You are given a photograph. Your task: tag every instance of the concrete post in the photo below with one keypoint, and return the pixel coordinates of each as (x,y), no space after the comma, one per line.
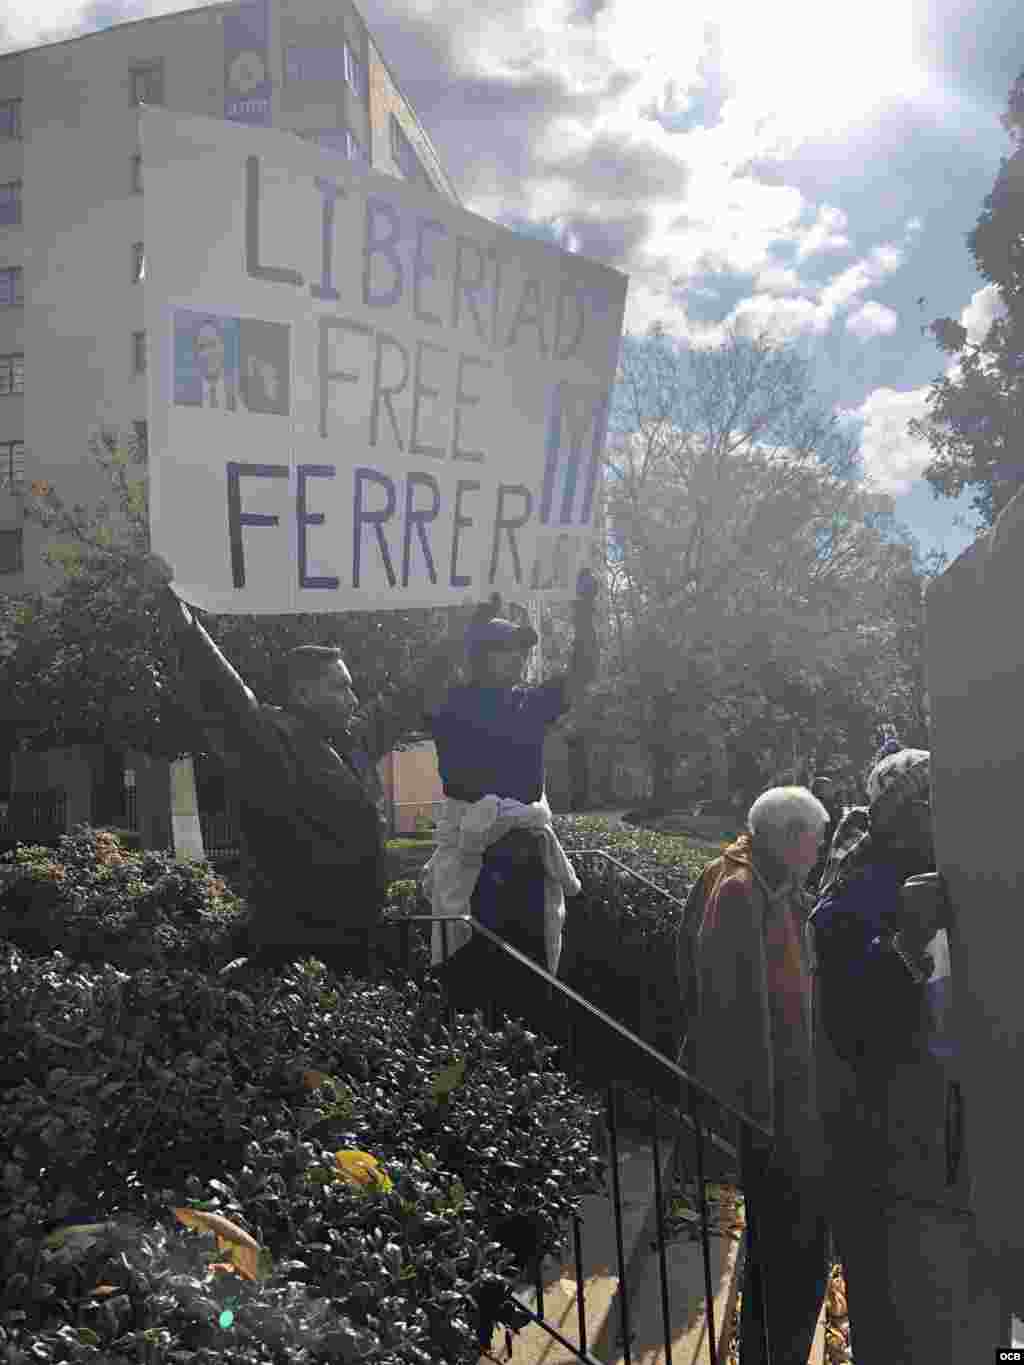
(186,830)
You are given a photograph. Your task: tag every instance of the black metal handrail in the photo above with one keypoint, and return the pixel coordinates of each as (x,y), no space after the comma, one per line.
(715,1139)
(673,1068)
(624,867)
(697,1093)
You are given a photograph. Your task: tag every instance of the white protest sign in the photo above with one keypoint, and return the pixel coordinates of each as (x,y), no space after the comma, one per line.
(361,396)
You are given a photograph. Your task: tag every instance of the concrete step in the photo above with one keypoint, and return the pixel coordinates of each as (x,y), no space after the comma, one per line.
(687,1318)
(532,1345)
(688,1327)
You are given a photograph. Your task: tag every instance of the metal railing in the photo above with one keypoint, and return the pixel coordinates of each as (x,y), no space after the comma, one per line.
(688,1116)
(34,817)
(726,1148)
(221,837)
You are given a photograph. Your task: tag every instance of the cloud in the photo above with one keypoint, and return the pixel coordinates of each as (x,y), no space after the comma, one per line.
(872,320)
(706,97)
(983,67)
(52,21)
(843,289)
(777,279)
(693,147)
(825,234)
(612,240)
(610,168)
(977,316)
(783,318)
(892,460)
(985,306)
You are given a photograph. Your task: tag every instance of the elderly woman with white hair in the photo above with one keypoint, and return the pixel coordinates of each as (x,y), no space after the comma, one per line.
(751,1044)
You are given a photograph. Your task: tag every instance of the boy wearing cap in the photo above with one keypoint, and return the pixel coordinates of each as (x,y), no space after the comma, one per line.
(497,855)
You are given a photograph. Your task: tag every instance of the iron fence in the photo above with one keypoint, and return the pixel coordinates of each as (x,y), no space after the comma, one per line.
(221,837)
(696,1126)
(34,817)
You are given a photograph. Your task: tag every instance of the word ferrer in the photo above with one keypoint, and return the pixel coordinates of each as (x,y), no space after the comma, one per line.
(393,521)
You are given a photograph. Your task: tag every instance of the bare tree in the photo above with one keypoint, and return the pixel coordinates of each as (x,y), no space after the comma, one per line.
(736,535)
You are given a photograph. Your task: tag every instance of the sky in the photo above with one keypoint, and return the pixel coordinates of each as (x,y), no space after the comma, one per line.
(809,168)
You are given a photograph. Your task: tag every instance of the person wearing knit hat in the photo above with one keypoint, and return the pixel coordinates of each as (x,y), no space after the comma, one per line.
(893,1177)
(497,856)
(898,812)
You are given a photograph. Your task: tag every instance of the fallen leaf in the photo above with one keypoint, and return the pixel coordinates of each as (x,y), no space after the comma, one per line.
(361,1168)
(448,1079)
(242,1248)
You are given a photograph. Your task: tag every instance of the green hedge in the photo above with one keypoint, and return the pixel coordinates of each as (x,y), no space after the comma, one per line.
(620,939)
(125,1095)
(101,902)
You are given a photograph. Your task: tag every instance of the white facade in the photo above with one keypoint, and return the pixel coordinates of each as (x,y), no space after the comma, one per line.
(81,213)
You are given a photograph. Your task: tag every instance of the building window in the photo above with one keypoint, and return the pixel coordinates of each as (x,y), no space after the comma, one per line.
(138,352)
(315,65)
(12,374)
(141,453)
(137,173)
(12,558)
(10,203)
(10,118)
(138,262)
(404,156)
(342,141)
(11,294)
(12,466)
(148,83)
(355,76)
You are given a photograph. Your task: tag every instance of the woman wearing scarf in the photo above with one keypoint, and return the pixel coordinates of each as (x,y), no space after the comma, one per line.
(887,1088)
(751,1045)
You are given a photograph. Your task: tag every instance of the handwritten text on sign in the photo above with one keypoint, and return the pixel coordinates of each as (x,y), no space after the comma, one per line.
(361,396)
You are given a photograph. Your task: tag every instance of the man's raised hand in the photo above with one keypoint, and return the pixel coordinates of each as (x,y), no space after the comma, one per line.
(158,575)
(156,571)
(486,611)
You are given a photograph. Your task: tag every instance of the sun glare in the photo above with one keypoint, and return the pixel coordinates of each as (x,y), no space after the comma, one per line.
(816,68)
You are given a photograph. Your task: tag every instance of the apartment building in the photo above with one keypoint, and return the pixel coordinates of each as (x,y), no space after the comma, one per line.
(72,255)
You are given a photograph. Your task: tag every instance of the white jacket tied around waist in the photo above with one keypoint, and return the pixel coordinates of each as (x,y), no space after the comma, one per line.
(465,830)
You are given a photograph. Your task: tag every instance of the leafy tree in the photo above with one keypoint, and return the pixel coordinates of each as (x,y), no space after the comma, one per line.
(739,546)
(88,662)
(975,422)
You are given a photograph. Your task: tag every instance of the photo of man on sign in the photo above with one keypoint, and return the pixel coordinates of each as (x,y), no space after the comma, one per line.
(263,366)
(205,360)
(226,363)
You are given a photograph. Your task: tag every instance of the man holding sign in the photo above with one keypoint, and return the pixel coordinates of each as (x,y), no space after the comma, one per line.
(308,796)
(364,398)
